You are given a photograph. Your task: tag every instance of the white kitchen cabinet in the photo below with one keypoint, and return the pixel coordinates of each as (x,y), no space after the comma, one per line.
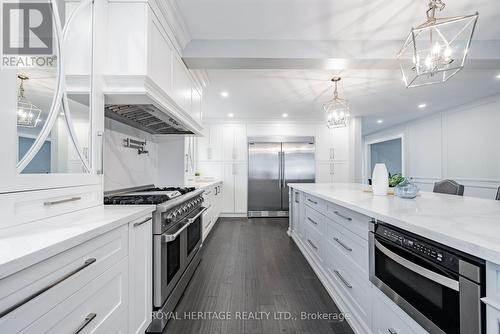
(148,69)
(87,262)
(331,172)
(181,84)
(493,320)
(55,144)
(213,202)
(209,146)
(140,269)
(234,142)
(389,319)
(332,144)
(235,185)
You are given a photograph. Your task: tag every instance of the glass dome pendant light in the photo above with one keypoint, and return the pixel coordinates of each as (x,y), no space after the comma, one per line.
(337,110)
(437,49)
(28,114)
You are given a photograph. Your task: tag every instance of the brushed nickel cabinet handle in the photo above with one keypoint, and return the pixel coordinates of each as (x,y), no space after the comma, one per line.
(312,244)
(66,200)
(310,200)
(339,275)
(86,321)
(343,244)
(342,216)
(312,221)
(87,263)
(143,222)
(392,331)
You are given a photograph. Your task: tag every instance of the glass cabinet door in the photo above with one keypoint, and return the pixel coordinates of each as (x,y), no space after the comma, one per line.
(54,117)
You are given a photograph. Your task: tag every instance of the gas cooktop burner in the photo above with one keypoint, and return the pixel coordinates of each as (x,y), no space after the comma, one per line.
(179,189)
(136,199)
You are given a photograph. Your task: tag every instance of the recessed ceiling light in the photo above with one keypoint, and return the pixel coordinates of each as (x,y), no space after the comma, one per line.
(231,115)
(498,76)
(380,121)
(285,115)
(224,94)
(422,105)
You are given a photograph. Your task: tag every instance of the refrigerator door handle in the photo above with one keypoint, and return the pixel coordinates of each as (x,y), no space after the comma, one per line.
(283,179)
(279,169)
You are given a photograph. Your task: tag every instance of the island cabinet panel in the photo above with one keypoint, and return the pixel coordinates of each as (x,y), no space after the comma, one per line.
(334,240)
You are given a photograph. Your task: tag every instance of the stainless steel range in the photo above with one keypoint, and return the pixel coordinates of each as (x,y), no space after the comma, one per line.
(177,230)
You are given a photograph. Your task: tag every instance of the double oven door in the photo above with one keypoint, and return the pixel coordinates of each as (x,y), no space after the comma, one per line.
(173,251)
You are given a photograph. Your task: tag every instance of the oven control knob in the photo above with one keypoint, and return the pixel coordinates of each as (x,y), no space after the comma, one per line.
(178,212)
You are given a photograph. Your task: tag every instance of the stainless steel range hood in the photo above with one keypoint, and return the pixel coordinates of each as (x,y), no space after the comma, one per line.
(138,101)
(146,117)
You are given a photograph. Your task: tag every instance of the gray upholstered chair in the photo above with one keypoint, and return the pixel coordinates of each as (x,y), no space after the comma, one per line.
(498,194)
(449,187)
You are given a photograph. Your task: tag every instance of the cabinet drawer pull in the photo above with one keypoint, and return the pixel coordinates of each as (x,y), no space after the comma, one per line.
(87,321)
(72,199)
(342,216)
(87,263)
(208,193)
(392,331)
(343,244)
(297,198)
(312,244)
(310,200)
(143,222)
(312,221)
(339,275)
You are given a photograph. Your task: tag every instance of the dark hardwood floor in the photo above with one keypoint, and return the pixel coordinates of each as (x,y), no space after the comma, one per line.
(251,265)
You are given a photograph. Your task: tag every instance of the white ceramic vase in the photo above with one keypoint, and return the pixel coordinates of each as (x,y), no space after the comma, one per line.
(380,180)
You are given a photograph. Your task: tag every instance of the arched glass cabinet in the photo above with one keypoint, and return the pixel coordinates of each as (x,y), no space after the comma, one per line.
(48,121)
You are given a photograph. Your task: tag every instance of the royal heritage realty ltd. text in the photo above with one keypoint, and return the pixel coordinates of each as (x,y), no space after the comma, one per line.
(228,315)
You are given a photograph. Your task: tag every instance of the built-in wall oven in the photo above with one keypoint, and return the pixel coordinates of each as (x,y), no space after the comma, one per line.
(437,286)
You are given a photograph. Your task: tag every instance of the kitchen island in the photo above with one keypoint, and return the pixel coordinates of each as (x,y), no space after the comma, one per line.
(330,223)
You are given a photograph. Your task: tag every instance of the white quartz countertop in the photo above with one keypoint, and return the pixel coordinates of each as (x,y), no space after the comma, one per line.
(206,184)
(469,224)
(24,245)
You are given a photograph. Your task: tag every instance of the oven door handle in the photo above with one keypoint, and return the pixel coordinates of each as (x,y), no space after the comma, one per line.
(429,274)
(166,238)
(193,219)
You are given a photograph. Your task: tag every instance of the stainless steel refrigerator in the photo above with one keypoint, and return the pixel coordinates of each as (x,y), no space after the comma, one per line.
(273,163)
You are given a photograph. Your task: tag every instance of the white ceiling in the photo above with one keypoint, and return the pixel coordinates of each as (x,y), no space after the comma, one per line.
(323,19)
(373,93)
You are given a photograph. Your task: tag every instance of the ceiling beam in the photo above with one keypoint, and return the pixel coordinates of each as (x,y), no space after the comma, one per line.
(330,55)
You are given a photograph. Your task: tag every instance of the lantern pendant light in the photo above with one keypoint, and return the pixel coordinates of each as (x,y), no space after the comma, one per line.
(337,110)
(437,49)
(28,114)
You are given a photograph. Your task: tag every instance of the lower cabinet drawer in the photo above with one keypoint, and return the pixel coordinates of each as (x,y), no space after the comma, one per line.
(314,243)
(388,318)
(355,289)
(351,245)
(98,307)
(353,221)
(27,295)
(316,203)
(23,207)
(314,220)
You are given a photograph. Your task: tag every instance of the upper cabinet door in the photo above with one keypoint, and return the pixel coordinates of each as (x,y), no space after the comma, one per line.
(341,144)
(324,143)
(47,121)
(234,138)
